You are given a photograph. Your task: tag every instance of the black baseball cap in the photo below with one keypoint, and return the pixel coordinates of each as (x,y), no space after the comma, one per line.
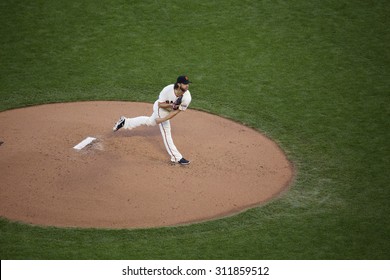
(183,80)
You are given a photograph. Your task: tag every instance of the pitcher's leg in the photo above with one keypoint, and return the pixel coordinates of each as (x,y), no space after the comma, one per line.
(131,123)
(165,129)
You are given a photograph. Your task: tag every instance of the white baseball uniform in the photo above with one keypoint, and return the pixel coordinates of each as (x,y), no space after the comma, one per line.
(167,95)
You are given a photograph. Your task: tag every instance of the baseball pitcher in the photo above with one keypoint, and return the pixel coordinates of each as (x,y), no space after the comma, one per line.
(172,100)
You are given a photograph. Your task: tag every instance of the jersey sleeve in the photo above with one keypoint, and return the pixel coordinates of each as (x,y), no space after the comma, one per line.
(185,101)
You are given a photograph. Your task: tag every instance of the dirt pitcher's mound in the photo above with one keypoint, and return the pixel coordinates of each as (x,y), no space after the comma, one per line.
(124,179)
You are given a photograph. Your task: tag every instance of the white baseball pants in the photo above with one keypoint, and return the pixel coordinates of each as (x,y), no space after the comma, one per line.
(165,129)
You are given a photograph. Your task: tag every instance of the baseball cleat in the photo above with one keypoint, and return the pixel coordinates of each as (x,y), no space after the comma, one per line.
(183,161)
(119,124)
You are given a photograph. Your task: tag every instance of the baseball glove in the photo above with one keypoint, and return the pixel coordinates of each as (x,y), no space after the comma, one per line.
(177,103)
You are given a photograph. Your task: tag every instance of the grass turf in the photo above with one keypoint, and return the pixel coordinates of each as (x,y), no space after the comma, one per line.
(313,75)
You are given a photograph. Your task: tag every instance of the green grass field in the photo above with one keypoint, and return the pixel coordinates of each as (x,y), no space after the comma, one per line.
(312,75)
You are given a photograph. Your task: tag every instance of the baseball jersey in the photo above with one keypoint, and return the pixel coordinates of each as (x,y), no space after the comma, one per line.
(168,95)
